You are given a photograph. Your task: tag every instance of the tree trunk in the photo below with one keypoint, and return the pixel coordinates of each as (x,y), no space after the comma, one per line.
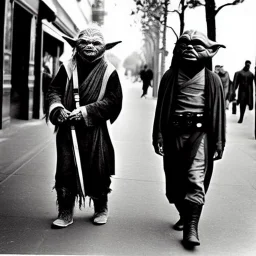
(211,24)
(182,17)
(156,62)
(164,38)
(182,23)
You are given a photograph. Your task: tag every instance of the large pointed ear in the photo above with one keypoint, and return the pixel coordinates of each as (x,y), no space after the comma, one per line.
(111,45)
(70,40)
(214,49)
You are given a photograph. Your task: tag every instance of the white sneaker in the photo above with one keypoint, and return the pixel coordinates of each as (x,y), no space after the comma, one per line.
(100,218)
(64,219)
(62,223)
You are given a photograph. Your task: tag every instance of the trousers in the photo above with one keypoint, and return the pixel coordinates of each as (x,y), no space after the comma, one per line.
(195,191)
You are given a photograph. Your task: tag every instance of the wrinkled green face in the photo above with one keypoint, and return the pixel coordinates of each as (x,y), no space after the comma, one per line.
(193,46)
(90,44)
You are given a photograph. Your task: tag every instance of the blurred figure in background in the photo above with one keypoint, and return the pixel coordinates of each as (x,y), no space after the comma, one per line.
(243,81)
(146,76)
(217,69)
(227,84)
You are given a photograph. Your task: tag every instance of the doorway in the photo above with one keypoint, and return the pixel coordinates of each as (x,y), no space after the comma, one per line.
(20,63)
(52,49)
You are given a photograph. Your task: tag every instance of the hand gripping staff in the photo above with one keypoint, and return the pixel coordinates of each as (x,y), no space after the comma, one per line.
(73,133)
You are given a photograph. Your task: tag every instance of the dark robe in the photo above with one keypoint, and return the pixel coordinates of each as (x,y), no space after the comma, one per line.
(243,80)
(95,146)
(178,158)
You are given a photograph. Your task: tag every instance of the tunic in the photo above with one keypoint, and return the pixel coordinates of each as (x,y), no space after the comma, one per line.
(190,94)
(190,98)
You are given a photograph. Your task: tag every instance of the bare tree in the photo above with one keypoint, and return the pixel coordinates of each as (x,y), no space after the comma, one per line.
(156,11)
(182,7)
(211,10)
(152,21)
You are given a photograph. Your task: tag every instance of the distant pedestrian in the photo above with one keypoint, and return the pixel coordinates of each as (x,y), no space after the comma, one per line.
(227,84)
(146,76)
(85,93)
(243,81)
(189,128)
(217,69)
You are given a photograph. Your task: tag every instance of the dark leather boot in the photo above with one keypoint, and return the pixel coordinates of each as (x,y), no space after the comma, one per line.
(192,212)
(100,216)
(180,223)
(66,202)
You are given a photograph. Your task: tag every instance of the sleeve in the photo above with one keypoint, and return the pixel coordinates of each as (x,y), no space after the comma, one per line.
(157,133)
(109,107)
(230,96)
(219,117)
(236,81)
(56,90)
(142,75)
(226,86)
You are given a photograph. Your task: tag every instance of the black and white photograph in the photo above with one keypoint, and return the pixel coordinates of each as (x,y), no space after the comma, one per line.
(128,127)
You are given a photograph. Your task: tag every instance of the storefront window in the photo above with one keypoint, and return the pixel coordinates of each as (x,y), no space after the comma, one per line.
(8,40)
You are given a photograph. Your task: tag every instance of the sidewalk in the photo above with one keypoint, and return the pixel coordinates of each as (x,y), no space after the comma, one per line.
(20,142)
(141,219)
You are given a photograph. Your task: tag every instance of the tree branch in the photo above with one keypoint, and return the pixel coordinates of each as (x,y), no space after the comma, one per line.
(173,32)
(228,4)
(194,4)
(184,8)
(175,11)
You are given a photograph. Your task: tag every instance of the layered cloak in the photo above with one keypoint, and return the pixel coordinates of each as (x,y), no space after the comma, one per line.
(95,147)
(178,158)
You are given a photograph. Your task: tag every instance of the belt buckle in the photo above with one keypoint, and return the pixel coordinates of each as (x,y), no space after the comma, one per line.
(175,123)
(189,119)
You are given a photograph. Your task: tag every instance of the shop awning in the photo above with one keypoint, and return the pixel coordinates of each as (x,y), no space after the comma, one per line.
(48,10)
(50,4)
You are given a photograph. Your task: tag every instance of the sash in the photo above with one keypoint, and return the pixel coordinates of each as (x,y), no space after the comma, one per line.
(71,69)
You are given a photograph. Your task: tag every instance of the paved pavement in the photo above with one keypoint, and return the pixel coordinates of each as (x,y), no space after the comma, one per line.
(140,216)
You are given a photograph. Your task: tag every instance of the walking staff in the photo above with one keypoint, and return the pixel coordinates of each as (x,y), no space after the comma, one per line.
(73,133)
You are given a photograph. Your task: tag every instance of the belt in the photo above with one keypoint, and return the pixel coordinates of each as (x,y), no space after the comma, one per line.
(188,121)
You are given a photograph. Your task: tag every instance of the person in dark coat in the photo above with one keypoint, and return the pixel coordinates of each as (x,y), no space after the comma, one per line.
(189,128)
(100,96)
(243,81)
(146,75)
(227,85)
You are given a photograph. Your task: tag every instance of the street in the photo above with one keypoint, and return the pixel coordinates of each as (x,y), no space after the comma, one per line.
(141,218)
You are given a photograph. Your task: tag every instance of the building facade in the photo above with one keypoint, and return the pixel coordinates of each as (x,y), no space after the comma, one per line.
(31,51)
